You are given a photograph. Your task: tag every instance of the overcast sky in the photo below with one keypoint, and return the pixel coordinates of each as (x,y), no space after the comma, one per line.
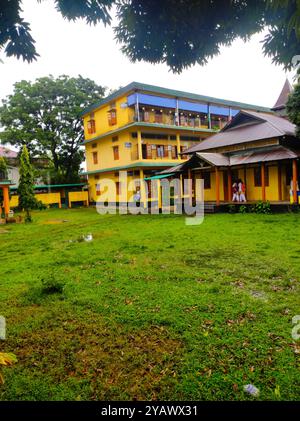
(239,73)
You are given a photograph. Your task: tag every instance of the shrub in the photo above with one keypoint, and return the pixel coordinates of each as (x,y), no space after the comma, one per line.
(231,208)
(52,283)
(6,359)
(261,207)
(243,209)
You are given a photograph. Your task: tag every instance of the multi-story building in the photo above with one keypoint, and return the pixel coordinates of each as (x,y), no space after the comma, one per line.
(143,129)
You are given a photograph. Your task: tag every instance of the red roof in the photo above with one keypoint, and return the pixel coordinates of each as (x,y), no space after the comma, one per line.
(7,153)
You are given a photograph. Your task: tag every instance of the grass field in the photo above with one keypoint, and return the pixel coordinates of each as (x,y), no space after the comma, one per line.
(151,308)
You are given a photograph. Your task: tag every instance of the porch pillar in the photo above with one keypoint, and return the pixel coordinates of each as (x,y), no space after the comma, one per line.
(6,200)
(263,182)
(178,145)
(217,186)
(143,200)
(279,181)
(139,140)
(190,184)
(229,184)
(295,177)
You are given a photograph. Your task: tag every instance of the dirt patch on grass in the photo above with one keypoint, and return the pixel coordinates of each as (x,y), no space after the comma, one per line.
(54,221)
(117,363)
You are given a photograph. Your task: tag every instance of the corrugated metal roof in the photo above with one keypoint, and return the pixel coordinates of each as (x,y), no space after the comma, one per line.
(171,92)
(264,126)
(276,154)
(216,159)
(222,160)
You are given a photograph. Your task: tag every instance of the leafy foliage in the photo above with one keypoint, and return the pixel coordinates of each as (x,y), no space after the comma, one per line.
(6,359)
(52,283)
(293,108)
(45,116)
(3,168)
(178,33)
(27,200)
(261,207)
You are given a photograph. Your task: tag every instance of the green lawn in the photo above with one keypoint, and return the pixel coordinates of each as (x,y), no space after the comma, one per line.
(151,308)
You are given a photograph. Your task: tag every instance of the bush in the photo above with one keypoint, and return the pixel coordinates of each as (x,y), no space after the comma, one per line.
(243,209)
(261,207)
(231,208)
(52,283)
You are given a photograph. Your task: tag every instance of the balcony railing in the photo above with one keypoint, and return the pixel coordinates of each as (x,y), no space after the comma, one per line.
(184,119)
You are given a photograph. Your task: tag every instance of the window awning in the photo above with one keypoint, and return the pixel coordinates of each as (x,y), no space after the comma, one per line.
(157,177)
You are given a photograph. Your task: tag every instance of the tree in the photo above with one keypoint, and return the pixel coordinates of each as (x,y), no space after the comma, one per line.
(27,200)
(3,168)
(293,108)
(176,32)
(45,116)
(3,176)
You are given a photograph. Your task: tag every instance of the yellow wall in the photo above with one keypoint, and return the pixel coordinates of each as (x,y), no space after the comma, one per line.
(45,198)
(104,148)
(124,116)
(78,196)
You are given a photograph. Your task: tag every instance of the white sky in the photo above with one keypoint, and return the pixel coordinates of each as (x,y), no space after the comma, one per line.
(239,73)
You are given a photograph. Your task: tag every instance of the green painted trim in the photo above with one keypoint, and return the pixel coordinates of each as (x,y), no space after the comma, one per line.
(46,186)
(151,125)
(179,94)
(134,165)
(6,183)
(158,177)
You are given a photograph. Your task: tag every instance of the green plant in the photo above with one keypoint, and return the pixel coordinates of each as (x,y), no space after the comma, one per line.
(261,207)
(27,200)
(52,283)
(6,359)
(231,209)
(243,209)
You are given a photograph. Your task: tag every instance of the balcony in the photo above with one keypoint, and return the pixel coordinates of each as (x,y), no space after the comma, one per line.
(156,152)
(169,117)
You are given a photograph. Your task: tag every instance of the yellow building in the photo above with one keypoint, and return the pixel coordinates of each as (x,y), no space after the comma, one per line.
(258,148)
(143,129)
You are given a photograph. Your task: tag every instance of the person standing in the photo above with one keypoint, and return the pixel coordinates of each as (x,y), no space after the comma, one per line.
(235,192)
(242,191)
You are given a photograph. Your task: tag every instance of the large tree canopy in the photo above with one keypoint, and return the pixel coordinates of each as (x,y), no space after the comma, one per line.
(176,32)
(45,116)
(293,108)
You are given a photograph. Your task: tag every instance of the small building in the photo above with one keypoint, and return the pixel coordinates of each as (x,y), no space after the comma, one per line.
(259,148)
(11,159)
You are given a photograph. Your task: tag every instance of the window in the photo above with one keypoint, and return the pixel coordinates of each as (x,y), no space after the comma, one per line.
(118,187)
(112,117)
(206,178)
(98,190)
(257,176)
(182,149)
(174,152)
(116,152)
(95,157)
(97,177)
(91,126)
(94,145)
(115,138)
